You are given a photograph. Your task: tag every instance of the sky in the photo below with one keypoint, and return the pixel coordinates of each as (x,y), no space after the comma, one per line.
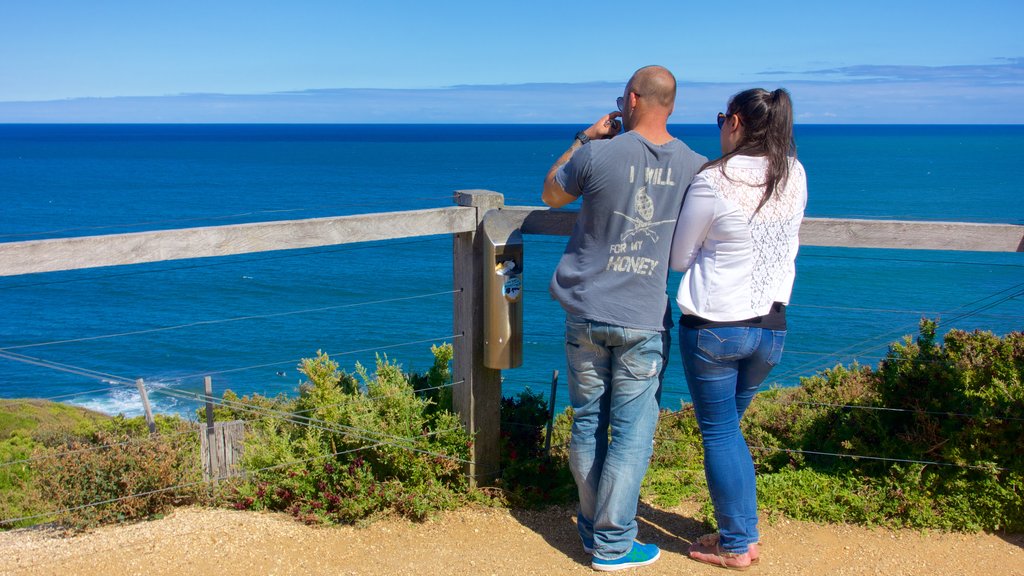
(471,61)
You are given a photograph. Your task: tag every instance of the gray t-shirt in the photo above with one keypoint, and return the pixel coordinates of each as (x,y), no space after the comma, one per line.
(615,267)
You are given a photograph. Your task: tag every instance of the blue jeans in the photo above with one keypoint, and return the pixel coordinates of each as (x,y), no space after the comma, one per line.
(615,376)
(724,367)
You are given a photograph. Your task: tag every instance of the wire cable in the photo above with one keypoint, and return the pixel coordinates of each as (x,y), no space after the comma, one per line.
(269,364)
(886,337)
(861,456)
(227,320)
(79,371)
(881,459)
(64,396)
(315,423)
(397,392)
(887,409)
(876,310)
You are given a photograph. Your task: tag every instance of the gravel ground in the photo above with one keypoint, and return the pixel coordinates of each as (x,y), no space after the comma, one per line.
(476,541)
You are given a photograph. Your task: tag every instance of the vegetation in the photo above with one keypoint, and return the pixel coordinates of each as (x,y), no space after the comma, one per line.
(25,427)
(530,475)
(931,439)
(961,406)
(928,439)
(350,447)
(157,471)
(44,420)
(56,459)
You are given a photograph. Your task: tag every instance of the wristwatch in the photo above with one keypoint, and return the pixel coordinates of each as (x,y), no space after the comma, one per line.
(582,137)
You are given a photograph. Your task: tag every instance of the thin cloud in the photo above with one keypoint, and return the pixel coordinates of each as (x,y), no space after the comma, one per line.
(1008,70)
(901,97)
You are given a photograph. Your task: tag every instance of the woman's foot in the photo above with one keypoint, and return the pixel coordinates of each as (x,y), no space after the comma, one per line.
(712,540)
(707,550)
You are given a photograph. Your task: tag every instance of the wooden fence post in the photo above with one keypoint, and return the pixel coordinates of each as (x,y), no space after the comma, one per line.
(221,451)
(220,445)
(145,405)
(476,395)
(210,464)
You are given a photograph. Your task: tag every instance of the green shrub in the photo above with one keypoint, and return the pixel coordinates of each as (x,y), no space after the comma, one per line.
(434,386)
(530,476)
(26,427)
(676,472)
(349,447)
(957,406)
(807,494)
(966,398)
(19,495)
(118,476)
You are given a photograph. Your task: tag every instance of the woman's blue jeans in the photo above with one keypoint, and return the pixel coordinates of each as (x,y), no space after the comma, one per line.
(615,376)
(724,367)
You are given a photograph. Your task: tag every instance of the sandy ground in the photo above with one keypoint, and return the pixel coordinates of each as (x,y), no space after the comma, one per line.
(478,541)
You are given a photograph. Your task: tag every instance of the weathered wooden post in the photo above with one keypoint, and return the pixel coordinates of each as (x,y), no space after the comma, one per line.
(145,405)
(210,464)
(476,395)
(220,444)
(221,450)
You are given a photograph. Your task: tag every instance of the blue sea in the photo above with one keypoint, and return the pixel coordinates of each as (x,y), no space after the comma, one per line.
(249,319)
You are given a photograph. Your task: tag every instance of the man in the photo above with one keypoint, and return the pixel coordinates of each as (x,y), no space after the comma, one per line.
(611,281)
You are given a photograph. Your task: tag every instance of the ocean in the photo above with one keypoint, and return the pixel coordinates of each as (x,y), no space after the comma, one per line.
(249,319)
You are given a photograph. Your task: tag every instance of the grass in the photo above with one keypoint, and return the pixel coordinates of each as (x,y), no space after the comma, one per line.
(43,418)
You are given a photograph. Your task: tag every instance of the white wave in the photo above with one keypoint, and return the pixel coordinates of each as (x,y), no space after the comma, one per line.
(127,401)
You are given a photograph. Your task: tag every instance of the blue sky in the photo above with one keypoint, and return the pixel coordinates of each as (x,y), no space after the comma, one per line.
(396,61)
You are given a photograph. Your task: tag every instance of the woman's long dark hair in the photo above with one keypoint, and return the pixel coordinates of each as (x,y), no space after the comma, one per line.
(767,119)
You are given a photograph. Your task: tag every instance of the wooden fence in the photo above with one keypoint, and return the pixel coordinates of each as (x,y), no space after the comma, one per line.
(220,448)
(477,389)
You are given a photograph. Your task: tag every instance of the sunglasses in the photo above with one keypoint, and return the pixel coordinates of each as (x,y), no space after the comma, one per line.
(619,102)
(723,117)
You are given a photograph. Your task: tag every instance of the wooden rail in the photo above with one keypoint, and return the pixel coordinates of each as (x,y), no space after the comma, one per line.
(140,247)
(477,389)
(836,232)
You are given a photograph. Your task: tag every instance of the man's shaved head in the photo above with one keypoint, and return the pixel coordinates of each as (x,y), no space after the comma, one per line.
(655,83)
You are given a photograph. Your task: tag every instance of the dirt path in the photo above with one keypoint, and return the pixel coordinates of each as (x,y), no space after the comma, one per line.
(478,541)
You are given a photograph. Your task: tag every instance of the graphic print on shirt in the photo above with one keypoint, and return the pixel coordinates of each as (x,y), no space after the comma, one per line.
(643,225)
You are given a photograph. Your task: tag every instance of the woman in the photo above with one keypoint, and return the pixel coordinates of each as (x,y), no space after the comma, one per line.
(736,239)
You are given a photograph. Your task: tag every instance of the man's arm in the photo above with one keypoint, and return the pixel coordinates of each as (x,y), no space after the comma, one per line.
(554,195)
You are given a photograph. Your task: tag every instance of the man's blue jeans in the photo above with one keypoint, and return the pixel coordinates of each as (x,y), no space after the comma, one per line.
(724,367)
(614,382)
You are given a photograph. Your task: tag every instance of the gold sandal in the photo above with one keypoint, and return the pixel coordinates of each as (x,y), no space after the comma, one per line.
(706,549)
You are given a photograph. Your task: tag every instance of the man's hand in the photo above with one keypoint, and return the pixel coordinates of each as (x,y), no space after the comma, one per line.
(607,127)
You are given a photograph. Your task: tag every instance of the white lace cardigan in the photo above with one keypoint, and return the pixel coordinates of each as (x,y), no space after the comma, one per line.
(737,263)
